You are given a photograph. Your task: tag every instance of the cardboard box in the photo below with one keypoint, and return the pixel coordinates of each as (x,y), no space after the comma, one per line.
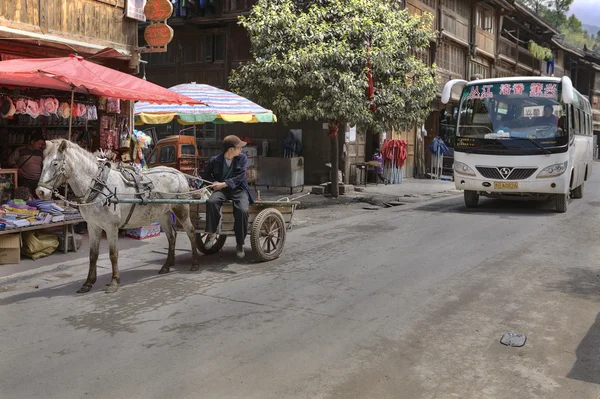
(141,233)
(10,249)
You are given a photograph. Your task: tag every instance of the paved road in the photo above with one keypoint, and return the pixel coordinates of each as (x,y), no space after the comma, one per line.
(408,302)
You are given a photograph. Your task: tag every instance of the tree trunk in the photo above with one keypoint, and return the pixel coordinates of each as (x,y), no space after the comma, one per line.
(335,159)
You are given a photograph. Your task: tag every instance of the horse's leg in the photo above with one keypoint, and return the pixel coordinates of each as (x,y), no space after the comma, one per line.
(113,235)
(167,225)
(182,213)
(95,237)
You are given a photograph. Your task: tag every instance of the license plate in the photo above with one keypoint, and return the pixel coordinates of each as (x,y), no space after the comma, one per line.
(505,185)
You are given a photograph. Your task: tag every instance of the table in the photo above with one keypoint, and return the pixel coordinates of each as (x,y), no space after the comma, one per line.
(68,231)
(364,168)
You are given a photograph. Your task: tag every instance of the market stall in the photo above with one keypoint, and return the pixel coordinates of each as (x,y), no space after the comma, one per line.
(221,107)
(61,98)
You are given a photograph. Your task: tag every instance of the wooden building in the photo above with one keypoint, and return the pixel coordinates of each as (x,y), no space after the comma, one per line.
(475,38)
(95,29)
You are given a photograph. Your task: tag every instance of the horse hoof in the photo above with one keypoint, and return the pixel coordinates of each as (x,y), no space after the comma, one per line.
(112,288)
(195,268)
(164,270)
(84,289)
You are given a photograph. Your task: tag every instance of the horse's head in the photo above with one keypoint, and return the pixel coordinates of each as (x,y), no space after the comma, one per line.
(56,170)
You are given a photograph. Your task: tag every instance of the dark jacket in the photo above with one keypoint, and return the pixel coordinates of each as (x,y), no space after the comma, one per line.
(214,173)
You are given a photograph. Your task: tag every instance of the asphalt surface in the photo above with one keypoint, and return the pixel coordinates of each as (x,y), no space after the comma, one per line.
(405,302)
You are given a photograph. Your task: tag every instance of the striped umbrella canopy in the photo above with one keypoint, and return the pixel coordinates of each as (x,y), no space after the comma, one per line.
(221,106)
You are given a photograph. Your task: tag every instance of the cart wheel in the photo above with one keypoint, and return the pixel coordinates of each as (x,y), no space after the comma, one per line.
(268,234)
(201,240)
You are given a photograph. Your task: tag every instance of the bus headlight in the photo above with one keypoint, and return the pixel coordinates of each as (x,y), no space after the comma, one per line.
(463,169)
(553,170)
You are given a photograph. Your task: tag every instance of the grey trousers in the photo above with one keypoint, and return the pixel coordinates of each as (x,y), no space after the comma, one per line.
(240,212)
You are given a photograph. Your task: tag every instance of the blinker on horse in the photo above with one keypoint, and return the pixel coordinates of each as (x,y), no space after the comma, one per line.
(94,183)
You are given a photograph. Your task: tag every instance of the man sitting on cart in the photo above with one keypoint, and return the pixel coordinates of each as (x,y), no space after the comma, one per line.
(227,171)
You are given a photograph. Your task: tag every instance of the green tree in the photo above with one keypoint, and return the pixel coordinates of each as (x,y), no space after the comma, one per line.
(314,63)
(574,24)
(539,6)
(557,12)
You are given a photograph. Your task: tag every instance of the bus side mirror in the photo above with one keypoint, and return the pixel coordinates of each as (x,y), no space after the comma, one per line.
(447,92)
(567,90)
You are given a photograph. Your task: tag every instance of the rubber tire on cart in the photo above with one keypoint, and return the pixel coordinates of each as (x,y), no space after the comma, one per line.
(577,192)
(562,202)
(267,236)
(471,199)
(201,240)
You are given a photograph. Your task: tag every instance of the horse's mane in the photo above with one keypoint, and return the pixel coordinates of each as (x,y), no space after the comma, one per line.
(53,146)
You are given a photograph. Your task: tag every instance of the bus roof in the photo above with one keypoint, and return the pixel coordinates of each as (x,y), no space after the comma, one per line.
(515,79)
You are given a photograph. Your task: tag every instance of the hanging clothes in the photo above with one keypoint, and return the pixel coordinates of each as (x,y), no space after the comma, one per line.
(394,152)
(438,147)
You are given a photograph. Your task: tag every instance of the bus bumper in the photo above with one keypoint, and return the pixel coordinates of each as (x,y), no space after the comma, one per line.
(556,185)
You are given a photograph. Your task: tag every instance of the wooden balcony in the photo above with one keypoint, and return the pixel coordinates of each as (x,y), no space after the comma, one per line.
(486,42)
(93,23)
(454,25)
(507,49)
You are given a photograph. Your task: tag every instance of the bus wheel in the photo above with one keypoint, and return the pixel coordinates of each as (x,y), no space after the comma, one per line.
(577,192)
(562,201)
(471,199)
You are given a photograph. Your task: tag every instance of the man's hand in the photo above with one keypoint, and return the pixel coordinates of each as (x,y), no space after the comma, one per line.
(218,186)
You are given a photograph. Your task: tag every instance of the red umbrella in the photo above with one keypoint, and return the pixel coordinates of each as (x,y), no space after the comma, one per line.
(73,73)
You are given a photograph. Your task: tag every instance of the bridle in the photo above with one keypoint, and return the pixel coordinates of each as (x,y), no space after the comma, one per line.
(53,183)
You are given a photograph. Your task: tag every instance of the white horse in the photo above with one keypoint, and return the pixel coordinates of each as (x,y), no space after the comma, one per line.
(94,183)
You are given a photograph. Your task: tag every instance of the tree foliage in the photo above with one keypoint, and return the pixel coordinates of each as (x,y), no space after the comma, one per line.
(571,28)
(557,12)
(311,60)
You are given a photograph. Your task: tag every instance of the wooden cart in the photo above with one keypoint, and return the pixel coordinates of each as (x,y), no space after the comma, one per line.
(268,223)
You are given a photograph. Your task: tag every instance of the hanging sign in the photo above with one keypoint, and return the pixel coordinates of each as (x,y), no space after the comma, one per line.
(158,35)
(135,10)
(158,10)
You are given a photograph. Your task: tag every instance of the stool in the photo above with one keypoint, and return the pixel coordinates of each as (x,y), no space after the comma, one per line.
(69,234)
(362,168)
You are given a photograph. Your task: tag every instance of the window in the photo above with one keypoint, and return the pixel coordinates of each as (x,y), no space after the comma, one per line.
(188,149)
(214,48)
(481,66)
(219,47)
(208,48)
(484,18)
(452,58)
(210,131)
(153,157)
(167,154)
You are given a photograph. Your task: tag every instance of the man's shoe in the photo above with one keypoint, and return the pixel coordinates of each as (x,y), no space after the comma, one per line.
(210,241)
(239,251)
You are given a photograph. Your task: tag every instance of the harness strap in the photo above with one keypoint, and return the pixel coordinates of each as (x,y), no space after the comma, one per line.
(140,193)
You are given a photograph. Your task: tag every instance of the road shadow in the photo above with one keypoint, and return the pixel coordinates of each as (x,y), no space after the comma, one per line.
(587,366)
(580,282)
(223,262)
(128,277)
(492,206)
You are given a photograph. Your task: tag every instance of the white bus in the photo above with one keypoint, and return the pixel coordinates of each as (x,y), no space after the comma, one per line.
(521,137)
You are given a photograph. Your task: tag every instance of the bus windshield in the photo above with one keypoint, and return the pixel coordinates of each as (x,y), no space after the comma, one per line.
(512,118)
